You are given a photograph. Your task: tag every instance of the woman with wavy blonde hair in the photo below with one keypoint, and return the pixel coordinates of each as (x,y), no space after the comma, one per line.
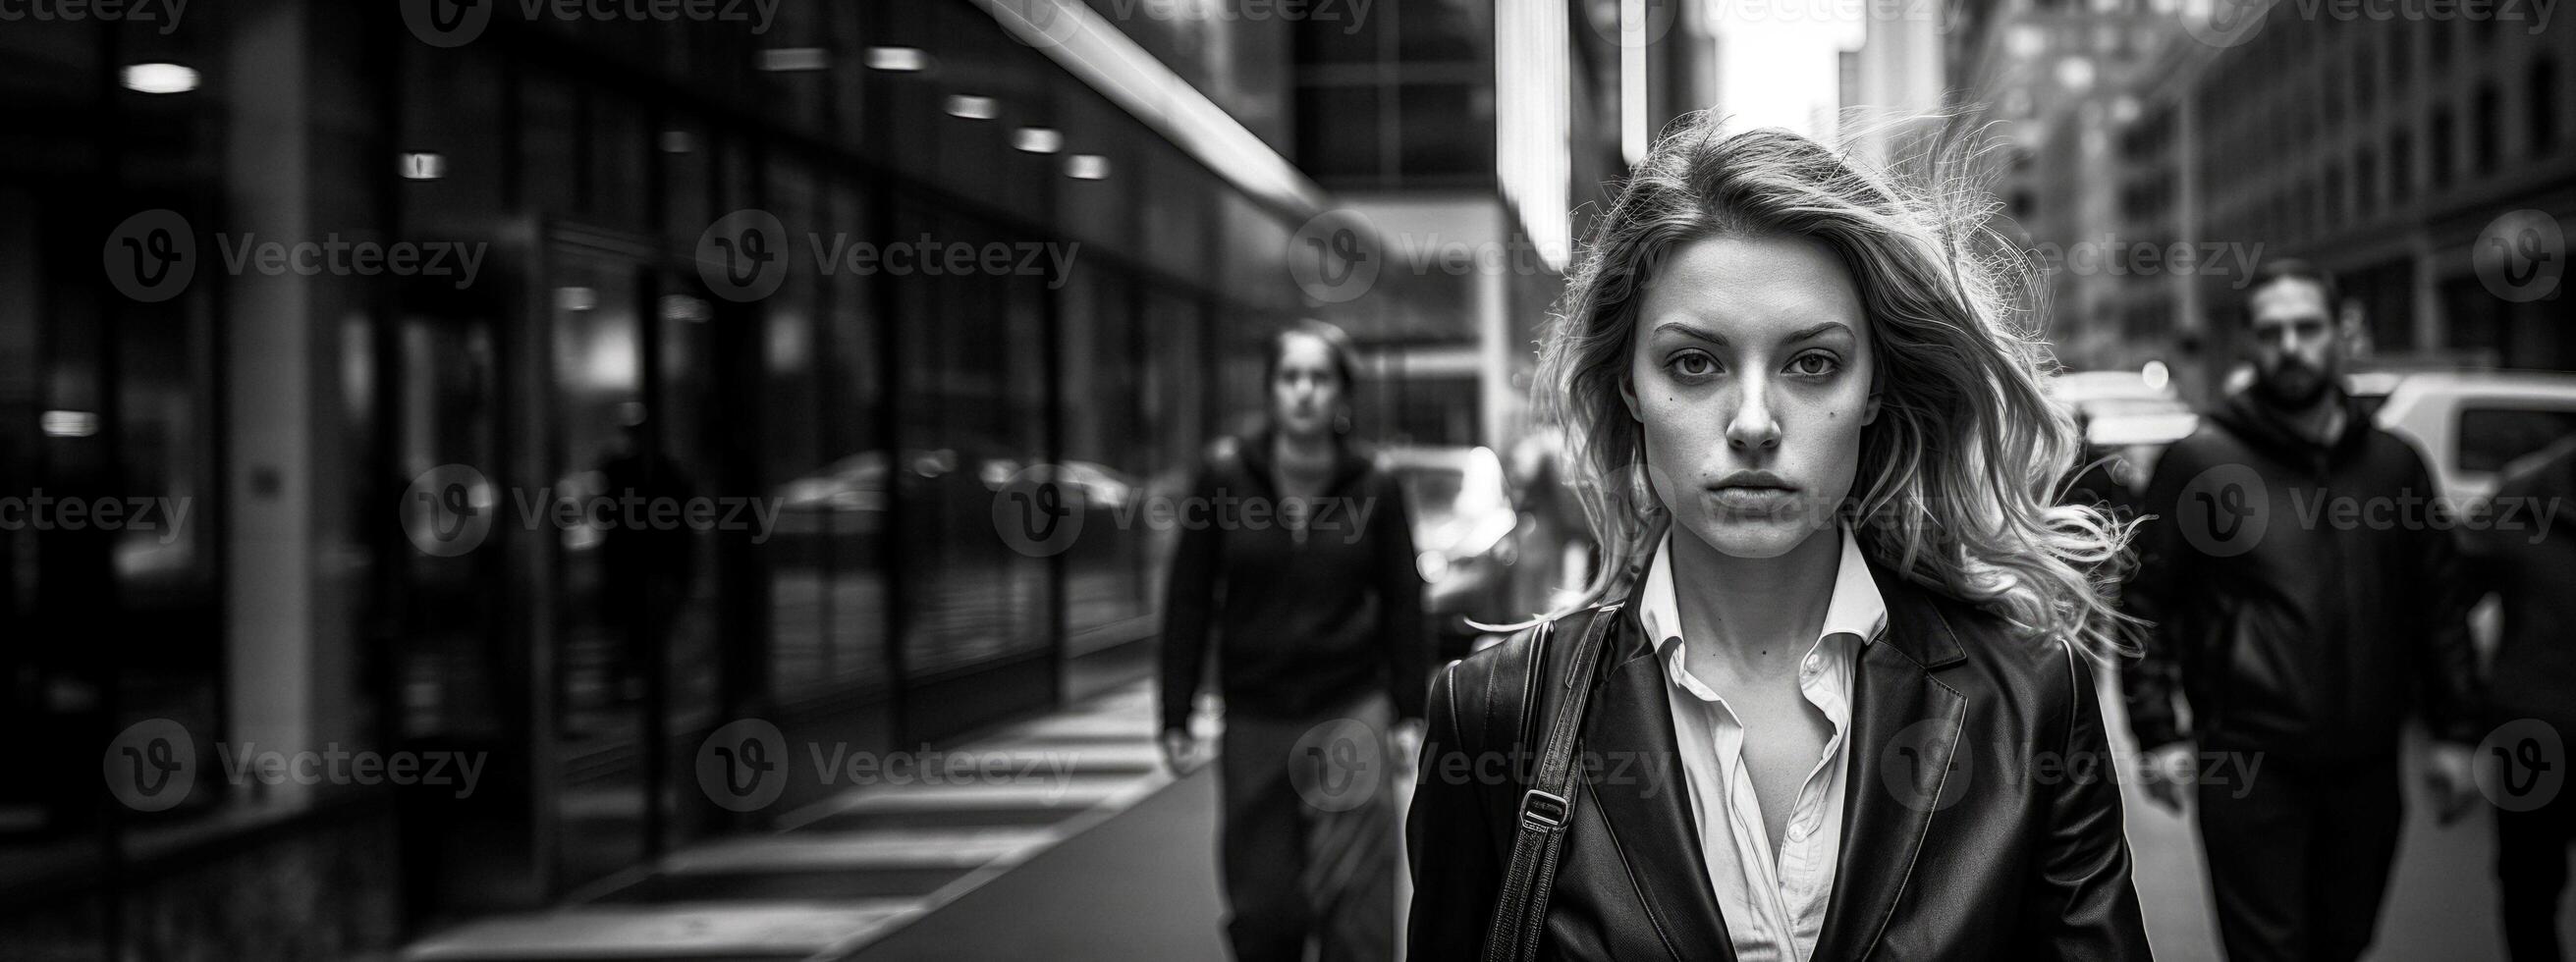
(1830,695)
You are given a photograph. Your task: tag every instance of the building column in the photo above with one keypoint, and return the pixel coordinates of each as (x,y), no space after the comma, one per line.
(293,563)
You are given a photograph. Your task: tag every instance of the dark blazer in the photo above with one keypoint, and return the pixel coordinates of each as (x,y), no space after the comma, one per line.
(1982,819)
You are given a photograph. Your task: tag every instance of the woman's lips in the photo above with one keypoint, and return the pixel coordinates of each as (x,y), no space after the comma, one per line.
(1742,499)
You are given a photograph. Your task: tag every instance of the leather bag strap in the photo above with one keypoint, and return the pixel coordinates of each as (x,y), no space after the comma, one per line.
(1520,911)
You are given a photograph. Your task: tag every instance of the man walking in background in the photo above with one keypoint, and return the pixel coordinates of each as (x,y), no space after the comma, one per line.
(2296,631)
(2533,705)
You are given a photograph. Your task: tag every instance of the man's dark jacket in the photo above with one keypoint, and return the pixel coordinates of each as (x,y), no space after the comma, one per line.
(2535,659)
(2304,594)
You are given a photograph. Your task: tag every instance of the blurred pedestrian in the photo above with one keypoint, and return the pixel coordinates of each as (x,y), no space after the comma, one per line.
(2533,572)
(2297,634)
(1295,549)
(648,570)
(1838,612)
(1557,553)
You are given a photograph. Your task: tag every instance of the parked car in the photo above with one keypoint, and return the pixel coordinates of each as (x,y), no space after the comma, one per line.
(2471,424)
(2129,419)
(1463,536)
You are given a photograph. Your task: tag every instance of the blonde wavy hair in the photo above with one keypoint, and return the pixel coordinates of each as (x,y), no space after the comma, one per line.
(1958,475)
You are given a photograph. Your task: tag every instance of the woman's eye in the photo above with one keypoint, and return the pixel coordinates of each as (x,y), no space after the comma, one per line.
(1814,364)
(1692,364)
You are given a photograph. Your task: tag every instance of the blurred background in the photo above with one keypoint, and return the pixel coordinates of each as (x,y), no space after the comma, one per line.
(326,327)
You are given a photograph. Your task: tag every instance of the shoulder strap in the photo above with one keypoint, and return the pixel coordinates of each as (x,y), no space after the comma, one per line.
(1520,911)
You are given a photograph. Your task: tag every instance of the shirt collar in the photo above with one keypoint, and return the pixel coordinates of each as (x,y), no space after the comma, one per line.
(1856,608)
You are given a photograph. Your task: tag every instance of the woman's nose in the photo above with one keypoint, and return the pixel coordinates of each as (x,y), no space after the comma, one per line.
(1753,427)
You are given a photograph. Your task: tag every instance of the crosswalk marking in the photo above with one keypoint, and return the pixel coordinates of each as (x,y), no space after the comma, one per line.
(882,848)
(1065,773)
(675,930)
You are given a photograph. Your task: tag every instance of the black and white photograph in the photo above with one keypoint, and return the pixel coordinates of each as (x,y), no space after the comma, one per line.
(1287,480)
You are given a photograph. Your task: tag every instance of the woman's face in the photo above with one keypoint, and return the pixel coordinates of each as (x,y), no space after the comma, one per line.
(1751,380)
(1306,391)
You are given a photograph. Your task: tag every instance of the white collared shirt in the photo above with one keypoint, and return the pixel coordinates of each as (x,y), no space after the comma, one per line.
(1774,902)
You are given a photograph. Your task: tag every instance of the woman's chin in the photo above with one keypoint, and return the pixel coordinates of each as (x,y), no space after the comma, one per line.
(1743,537)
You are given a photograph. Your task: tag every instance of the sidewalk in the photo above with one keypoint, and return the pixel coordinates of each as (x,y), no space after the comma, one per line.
(847,872)
(1144,885)
(2441,901)
(1112,866)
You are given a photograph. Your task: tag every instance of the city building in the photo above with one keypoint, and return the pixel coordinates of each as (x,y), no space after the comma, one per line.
(2091,173)
(1682,65)
(1897,82)
(387,308)
(2391,151)
(2396,153)
(1462,133)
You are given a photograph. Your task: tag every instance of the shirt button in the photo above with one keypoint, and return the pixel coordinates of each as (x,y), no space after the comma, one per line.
(1797,831)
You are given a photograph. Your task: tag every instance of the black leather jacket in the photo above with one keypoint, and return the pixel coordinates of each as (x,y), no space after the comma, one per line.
(1982,820)
(2303,594)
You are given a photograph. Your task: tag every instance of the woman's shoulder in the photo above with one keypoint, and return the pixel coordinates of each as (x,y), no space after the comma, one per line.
(2011,663)
(1495,685)
(1223,459)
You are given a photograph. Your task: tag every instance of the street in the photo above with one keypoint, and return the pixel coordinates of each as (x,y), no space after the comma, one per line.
(1143,884)
(1121,864)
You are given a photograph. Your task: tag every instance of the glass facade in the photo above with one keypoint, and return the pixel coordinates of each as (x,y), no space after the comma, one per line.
(1398,101)
(867,418)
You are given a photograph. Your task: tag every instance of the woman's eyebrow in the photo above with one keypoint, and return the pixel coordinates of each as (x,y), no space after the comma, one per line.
(1802,334)
(1699,332)
(1819,330)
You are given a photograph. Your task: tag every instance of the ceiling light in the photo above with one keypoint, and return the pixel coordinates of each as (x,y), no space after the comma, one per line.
(793,59)
(69,424)
(898,59)
(160,78)
(424,165)
(1038,140)
(974,108)
(1087,167)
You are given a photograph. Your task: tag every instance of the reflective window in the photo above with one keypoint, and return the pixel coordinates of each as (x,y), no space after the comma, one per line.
(971,417)
(791,458)
(854,495)
(1107,459)
(2491,438)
